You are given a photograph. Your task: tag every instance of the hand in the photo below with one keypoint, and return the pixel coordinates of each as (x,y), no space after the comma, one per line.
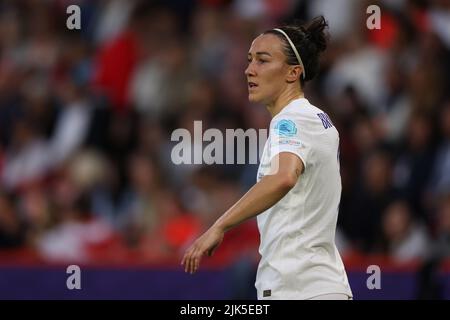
(207,243)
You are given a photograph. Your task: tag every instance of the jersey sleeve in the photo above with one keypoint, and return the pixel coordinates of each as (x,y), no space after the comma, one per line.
(287,135)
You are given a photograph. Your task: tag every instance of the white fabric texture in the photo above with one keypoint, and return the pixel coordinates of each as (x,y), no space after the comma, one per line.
(299,258)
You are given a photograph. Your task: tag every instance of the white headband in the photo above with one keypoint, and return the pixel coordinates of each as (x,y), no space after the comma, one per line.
(293,49)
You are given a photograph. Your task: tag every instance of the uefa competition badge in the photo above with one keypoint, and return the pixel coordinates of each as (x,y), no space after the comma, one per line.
(286,128)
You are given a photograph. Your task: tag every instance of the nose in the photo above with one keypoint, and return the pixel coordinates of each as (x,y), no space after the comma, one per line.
(250,71)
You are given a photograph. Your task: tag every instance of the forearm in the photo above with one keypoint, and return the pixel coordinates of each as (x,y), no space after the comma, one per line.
(263,195)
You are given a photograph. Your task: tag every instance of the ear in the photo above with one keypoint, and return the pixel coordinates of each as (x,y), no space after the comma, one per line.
(294,73)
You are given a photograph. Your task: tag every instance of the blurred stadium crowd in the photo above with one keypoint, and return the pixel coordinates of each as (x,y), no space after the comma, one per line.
(86,118)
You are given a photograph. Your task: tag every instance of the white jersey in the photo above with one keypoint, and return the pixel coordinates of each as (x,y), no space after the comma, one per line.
(299,258)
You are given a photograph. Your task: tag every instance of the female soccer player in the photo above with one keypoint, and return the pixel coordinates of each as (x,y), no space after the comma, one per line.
(298,189)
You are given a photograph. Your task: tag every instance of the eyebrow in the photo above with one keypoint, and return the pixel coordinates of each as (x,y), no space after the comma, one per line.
(261,53)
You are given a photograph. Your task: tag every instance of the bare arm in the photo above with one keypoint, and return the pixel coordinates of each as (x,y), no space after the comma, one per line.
(263,195)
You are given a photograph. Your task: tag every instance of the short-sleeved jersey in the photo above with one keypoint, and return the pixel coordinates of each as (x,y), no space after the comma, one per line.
(299,258)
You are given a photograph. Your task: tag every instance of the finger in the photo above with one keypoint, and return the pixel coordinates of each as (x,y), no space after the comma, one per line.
(192,262)
(185,256)
(196,259)
(186,260)
(186,263)
(199,258)
(196,263)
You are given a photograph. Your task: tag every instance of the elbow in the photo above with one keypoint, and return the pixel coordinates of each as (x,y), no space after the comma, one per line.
(287,181)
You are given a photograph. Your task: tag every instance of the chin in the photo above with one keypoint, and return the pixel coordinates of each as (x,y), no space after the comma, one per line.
(253,98)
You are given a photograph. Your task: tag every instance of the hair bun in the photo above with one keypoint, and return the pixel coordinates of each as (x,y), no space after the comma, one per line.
(315,32)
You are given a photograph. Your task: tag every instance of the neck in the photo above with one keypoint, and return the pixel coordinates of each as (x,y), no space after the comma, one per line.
(283,100)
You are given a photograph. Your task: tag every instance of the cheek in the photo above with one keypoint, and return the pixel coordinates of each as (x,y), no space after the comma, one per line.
(274,75)
(273,82)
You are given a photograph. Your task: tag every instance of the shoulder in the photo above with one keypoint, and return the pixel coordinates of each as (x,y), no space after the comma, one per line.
(299,112)
(304,118)
(300,109)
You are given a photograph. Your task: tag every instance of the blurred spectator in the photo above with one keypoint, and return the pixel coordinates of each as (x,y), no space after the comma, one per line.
(414,163)
(12,229)
(361,66)
(440,181)
(113,18)
(138,214)
(360,218)
(404,238)
(177,228)
(78,229)
(27,158)
(341,15)
(396,107)
(117,59)
(430,285)
(442,247)
(157,78)
(439,17)
(37,212)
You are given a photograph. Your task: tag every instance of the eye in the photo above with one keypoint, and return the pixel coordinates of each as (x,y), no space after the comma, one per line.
(258,60)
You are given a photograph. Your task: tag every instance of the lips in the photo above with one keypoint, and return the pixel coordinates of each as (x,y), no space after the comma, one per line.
(252,85)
